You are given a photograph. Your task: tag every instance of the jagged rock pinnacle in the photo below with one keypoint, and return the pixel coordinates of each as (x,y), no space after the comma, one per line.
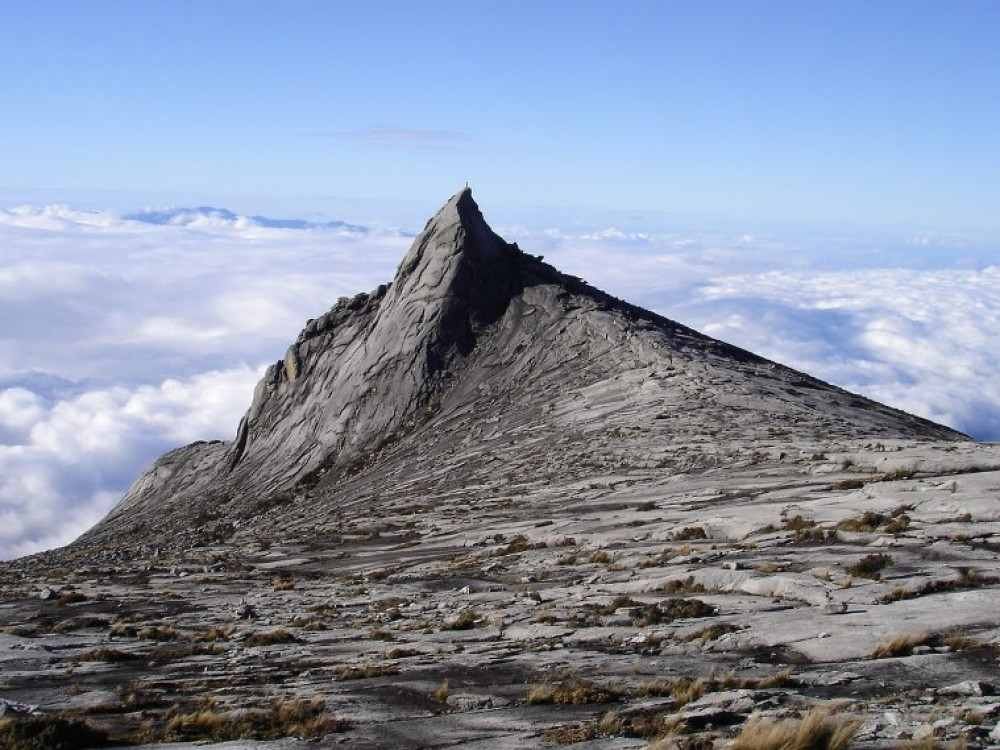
(458,274)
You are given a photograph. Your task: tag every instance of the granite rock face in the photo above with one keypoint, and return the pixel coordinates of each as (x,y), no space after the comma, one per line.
(490,506)
(471,332)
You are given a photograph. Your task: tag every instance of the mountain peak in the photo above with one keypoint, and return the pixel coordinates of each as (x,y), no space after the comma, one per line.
(476,346)
(461,268)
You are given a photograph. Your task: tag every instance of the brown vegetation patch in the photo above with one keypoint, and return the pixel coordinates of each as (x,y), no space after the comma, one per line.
(79,623)
(968,580)
(870,566)
(677,586)
(70,597)
(901,645)
(895,522)
(364,671)
(175,652)
(466,620)
(158,633)
(109,655)
(848,484)
(519,543)
(282,718)
(572,692)
(50,733)
(797,523)
(897,474)
(644,615)
(571,734)
(271,638)
(817,730)
(689,533)
(684,690)
(217,634)
(713,632)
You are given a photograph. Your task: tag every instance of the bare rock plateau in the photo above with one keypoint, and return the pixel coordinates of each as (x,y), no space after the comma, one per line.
(490,506)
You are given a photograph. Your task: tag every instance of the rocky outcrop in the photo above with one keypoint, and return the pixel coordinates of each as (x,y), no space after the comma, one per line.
(488,485)
(475,338)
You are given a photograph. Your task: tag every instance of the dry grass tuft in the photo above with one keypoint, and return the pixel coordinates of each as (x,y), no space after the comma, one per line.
(282,718)
(870,566)
(867,523)
(519,543)
(817,730)
(573,692)
(70,597)
(957,641)
(931,743)
(441,695)
(689,533)
(848,484)
(776,680)
(571,734)
(713,632)
(365,671)
(270,638)
(673,742)
(897,474)
(676,586)
(900,645)
(50,732)
(683,690)
(611,723)
(644,614)
(968,580)
(108,655)
(600,556)
(158,633)
(217,634)
(306,623)
(466,620)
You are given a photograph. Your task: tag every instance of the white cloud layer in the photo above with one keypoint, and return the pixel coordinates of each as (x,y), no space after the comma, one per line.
(126,338)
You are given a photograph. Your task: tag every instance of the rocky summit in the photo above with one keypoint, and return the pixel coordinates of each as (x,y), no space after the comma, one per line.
(488,505)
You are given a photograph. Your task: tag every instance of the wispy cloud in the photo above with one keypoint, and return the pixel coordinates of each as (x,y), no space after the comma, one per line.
(393,137)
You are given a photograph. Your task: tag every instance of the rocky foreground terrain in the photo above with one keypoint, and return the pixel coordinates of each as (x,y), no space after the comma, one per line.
(490,506)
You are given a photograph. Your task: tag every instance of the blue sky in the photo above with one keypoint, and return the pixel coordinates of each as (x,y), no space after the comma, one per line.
(833,114)
(818,182)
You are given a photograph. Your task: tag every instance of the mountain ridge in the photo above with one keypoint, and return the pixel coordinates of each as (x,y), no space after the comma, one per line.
(465,308)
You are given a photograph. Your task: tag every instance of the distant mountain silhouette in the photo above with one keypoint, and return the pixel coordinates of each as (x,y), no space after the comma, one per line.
(188,216)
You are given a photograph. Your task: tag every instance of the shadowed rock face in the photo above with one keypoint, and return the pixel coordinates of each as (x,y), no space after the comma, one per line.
(474,336)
